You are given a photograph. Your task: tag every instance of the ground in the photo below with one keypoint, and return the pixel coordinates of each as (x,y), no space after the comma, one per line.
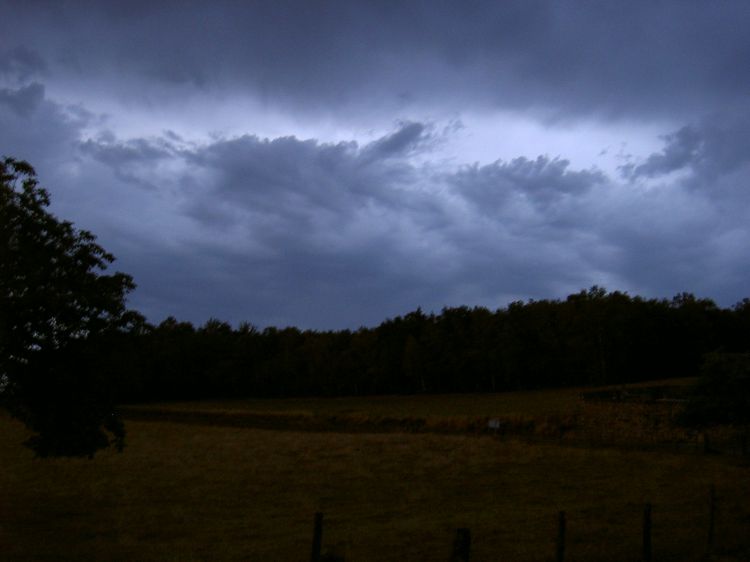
(191,491)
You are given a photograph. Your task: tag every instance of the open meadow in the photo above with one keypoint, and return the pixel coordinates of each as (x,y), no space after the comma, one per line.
(201,491)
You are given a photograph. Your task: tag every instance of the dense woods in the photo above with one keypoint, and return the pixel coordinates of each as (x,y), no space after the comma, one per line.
(70,349)
(592,337)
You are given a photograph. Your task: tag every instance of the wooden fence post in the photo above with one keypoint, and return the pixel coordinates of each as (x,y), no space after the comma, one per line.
(647,533)
(711,519)
(461,546)
(561,537)
(317,542)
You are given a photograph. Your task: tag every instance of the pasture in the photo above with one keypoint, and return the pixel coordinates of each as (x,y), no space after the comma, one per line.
(195,491)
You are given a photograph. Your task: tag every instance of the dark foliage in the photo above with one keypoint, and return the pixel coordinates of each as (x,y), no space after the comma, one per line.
(58,312)
(590,338)
(722,395)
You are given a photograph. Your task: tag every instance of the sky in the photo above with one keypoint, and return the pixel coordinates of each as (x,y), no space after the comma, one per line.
(330,164)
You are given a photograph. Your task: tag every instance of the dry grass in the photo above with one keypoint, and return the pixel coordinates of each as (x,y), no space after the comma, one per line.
(559,415)
(526,403)
(191,492)
(530,403)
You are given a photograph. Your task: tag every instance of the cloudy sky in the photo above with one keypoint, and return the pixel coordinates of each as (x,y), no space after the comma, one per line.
(332,163)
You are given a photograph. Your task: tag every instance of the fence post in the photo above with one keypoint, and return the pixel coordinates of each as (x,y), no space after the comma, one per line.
(647,533)
(561,537)
(317,542)
(711,519)
(461,546)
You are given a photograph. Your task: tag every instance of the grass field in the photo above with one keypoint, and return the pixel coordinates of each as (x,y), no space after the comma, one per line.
(199,492)
(526,403)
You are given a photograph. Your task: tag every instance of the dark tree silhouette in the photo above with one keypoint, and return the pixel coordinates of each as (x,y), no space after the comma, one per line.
(57,307)
(590,338)
(722,395)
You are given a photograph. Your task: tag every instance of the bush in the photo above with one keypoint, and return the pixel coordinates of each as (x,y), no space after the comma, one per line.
(722,395)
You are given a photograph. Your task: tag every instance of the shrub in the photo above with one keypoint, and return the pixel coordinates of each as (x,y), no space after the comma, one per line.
(722,395)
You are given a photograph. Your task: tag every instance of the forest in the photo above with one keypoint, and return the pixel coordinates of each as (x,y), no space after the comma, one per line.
(70,349)
(594,337)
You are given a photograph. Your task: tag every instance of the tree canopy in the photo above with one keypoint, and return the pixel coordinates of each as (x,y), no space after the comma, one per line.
(56,307)
(590,338)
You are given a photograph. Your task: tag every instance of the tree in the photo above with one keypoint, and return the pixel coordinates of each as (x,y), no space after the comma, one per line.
(722,395)
(58,310)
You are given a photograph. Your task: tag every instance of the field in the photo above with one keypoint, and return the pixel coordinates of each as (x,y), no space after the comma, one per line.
(196,491)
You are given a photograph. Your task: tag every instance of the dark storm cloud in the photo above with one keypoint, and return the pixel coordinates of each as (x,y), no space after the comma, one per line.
(682,149)
(542,181)
(299,179)
(38,129)
(21,63)
(290,231)
(297,231)
(129,159)
(711,155)
(23,101)
(318,233)
(628,58)
(691,227)
(107,150)
(404,141)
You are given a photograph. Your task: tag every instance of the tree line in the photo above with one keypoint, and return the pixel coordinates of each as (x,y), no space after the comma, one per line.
(70,349)
(592,337)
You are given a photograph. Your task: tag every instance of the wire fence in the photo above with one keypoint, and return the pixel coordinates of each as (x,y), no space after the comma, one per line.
(458,547)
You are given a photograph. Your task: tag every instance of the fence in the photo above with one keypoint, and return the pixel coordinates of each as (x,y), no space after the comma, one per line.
(461,545)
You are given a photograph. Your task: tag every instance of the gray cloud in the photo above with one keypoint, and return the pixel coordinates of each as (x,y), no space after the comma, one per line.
(687,227)
(23,101)
(289,231)
(128,159)
(712,158)
(280,230)
(404,141)
(304,231)
(296,230)
(683,148)
(21,64)
(542,182)
(299,179)
(320,234)
(38,129)
(639,58)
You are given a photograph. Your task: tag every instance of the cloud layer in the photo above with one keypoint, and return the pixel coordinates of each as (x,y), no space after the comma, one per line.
(639,58)
(363,208)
